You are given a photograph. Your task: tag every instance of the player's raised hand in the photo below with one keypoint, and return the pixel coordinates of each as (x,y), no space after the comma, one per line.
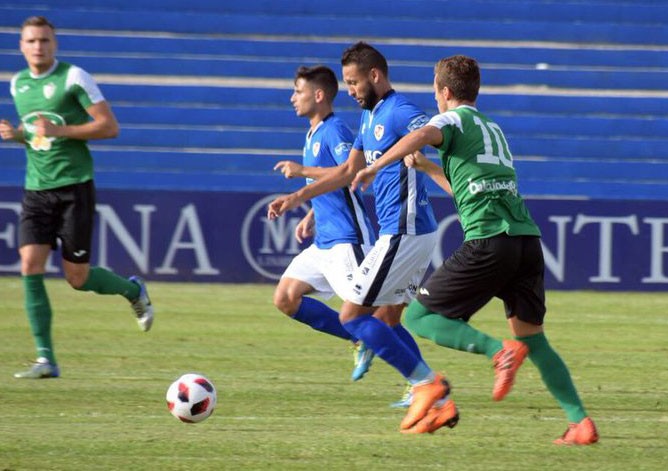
(364,178)
(289,169)
(281,205)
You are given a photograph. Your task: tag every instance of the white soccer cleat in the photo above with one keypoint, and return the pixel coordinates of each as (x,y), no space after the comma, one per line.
(142,305)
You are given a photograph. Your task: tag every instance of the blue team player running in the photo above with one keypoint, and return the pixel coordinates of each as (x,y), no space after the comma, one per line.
(396,264)
(338,222)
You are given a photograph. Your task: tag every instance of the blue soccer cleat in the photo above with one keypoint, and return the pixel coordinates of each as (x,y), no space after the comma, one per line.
(406,399)
(363,357)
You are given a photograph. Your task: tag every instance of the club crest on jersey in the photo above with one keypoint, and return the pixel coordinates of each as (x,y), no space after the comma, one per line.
(49,89)
(316,148)
(378,131)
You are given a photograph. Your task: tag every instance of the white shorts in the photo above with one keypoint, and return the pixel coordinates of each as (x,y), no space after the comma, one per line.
(328,271)
(393,269)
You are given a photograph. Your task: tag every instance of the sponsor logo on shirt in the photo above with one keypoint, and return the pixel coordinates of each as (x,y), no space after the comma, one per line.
(371,156)
(491,186)
(40,143)
(343,148)
(418,122)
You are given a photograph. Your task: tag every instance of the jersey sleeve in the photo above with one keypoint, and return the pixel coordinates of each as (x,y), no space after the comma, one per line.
(446,123)
(83,86)
(407,118)
(340,143)
(12,84)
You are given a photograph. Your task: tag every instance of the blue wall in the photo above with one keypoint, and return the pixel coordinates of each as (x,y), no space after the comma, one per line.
(226,237)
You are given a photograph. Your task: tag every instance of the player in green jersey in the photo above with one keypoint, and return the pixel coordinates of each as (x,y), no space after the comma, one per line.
(501,255)
(60,107)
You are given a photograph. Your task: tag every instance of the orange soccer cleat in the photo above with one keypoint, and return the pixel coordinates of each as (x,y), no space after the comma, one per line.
(580,433)
(425,397)
(506,363)
(445,414)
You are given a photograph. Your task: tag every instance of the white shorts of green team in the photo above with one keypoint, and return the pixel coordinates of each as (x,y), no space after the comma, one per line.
(328,271)
(397,269)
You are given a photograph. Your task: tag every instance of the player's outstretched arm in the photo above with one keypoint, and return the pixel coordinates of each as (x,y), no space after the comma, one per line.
(338,177)
(291,169)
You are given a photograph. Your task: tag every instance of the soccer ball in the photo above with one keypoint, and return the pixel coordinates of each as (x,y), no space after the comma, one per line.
(191,398)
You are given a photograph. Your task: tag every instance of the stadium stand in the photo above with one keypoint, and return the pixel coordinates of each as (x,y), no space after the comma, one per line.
(202,89)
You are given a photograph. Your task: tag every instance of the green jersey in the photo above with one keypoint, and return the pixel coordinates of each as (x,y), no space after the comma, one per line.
(60,95)
(478,164)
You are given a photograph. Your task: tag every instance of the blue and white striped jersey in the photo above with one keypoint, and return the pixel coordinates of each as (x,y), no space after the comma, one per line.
(340,216)
(402,203)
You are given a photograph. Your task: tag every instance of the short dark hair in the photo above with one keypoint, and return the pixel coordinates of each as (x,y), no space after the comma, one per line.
(366,57)
(322,77)
(461,75)
(38,21)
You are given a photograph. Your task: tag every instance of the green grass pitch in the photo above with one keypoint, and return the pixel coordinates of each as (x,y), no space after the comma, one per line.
(285,399)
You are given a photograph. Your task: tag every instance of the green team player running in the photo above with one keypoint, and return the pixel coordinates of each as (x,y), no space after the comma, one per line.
(501,255)
(60,107)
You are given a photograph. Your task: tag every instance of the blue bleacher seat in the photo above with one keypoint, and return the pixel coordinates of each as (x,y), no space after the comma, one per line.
(578,86)
(483,20)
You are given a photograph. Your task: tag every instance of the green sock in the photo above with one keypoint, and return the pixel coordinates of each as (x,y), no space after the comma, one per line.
(103,281)
(451,333)
(555,375)
(39,314)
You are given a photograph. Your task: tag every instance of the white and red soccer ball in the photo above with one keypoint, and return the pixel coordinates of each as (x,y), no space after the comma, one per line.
(191,398)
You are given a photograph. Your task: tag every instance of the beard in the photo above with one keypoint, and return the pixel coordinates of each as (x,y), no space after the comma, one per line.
(369,99)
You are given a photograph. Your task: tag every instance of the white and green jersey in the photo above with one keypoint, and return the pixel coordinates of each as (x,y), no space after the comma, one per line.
(478,164)
(60,95)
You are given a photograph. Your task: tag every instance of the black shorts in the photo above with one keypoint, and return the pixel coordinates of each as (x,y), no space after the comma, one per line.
(510,268)
(64,213)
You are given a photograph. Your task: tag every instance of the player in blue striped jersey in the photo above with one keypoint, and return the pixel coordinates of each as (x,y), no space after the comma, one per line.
(392,270)
(338,220)
(402,203)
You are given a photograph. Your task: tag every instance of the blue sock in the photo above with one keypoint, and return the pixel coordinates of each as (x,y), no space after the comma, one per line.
(408,339)
(320,316)
(422,373)
(386,344)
